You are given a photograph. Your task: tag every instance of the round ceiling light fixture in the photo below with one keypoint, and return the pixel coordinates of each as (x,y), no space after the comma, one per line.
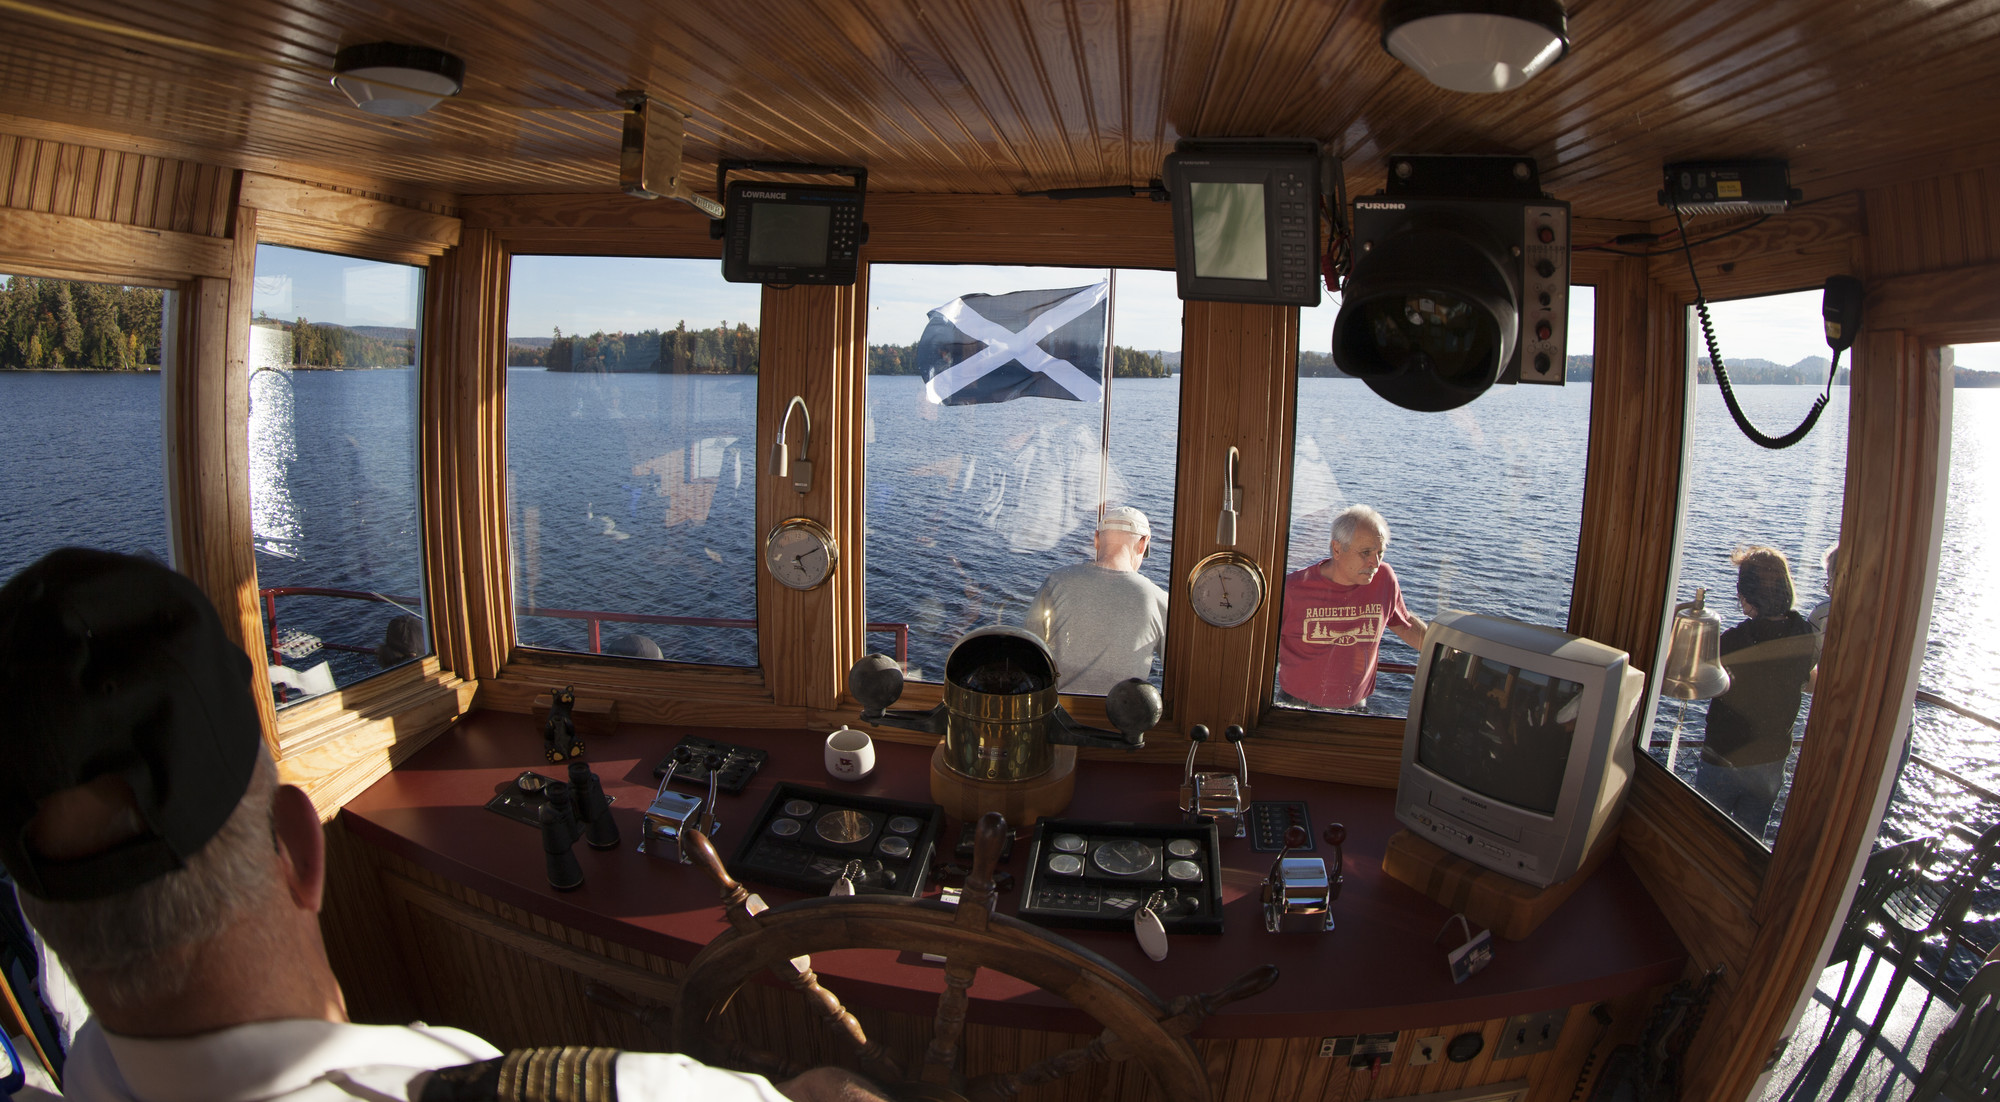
(389,78)
(1476,45)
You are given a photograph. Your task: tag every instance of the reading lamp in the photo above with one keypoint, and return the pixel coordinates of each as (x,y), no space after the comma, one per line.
(781,462)
(389,78)
(1694,664)
(1232,500)
(1476,45)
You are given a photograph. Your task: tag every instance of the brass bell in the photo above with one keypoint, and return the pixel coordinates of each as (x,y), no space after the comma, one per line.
(1694,662)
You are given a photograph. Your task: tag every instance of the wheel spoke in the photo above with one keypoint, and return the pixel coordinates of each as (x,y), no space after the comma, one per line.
(1000,1087)
(875,1060)
(941,1058)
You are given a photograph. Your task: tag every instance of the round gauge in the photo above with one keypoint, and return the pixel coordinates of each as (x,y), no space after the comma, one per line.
(1183,847)
(1067,843)
(800,553)
(1066,864)
(843,827)
(1226,588)
(904,824)
(897,848)
(1124,857)
(785,828)
(1183,870)
(801,808)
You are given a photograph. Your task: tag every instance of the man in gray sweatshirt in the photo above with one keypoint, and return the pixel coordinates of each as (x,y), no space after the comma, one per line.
(1104,621)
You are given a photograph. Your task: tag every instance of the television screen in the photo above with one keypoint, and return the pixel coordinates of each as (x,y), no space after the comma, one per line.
(1497,729)
(789,234)
(1229,231)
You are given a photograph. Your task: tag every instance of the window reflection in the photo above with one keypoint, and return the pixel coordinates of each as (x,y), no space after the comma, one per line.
(631,465)
(1482,505)
(333,473)
(80,419)
(995,452)
(1758,529)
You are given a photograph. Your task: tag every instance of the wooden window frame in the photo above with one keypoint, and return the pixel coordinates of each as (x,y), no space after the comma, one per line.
(336,744)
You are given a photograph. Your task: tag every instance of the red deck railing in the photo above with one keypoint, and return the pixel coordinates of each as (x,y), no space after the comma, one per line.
(595,619)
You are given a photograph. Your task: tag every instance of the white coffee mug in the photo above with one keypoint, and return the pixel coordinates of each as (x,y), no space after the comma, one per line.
(850,754)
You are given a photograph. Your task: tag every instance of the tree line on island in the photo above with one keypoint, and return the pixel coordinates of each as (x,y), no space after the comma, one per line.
(320,345)
(59,325)
(731,350)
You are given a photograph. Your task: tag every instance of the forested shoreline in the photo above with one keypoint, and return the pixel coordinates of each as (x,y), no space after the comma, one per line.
(58,325)
(313,345)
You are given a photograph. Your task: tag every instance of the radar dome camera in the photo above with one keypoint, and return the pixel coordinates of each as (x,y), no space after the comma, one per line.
(1461,281)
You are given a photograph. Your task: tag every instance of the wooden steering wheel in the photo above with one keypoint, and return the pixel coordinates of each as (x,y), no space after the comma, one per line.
(1137,1023)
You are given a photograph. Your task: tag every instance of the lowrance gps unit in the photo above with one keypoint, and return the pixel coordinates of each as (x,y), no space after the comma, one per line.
(790,233)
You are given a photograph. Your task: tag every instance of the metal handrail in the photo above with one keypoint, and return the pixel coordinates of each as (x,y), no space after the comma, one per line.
(596,619)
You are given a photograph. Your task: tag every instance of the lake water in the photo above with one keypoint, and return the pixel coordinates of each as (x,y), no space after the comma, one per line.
(634,494)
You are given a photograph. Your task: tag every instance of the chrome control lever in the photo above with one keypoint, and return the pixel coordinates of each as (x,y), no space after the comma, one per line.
(1298,895)
(1224,797)
(672,817)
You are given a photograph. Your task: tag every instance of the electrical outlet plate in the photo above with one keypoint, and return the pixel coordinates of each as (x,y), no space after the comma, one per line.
(1330,1047)
(1529,1034)
(1427,1050)
(1372,1049)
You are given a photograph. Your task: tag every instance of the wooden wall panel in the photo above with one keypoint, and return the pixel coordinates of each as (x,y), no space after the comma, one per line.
(1237,365)
(464,413)
(1632,476)
(1934,224)
(406,943)
(132,189)
(812,346)
(208,452)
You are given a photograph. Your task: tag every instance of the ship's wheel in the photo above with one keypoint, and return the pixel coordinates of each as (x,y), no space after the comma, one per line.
(1137,1024)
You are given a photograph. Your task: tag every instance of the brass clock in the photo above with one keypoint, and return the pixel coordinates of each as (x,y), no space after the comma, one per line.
(800,553)
(1226,588)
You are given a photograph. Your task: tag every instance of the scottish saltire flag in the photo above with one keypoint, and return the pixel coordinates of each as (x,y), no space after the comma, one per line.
(1027,344)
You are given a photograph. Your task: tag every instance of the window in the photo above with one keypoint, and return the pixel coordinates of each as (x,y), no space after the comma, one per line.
(1757,527)
(981,484)
(1484,503)
(1953,754)
(80,419)
(333,467)
(631,457)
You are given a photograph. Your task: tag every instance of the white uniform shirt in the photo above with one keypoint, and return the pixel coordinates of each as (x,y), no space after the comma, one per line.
(302,1060)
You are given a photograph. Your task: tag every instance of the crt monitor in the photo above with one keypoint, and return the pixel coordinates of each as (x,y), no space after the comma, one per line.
(1246,220)
(1518,744)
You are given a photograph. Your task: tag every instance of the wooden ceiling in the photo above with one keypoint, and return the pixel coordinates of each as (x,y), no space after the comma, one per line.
(998,96)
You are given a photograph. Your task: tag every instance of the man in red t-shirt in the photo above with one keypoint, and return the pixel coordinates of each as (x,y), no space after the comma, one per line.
(1335,611)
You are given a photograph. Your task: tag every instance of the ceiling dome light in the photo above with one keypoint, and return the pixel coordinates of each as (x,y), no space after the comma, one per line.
(388,78)
(1476,45)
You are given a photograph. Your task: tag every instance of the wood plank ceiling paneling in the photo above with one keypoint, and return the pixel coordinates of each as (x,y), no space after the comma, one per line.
(995,96)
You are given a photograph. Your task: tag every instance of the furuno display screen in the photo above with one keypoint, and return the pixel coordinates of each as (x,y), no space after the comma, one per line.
(792,233)
(1247,220)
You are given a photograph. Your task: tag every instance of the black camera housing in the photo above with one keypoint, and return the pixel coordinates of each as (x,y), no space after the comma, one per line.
(1461,281)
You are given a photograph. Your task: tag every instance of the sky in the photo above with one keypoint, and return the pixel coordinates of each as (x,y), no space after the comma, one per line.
(587,294)
(334,290)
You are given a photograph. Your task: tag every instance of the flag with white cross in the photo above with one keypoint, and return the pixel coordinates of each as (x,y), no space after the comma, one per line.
(1027,344)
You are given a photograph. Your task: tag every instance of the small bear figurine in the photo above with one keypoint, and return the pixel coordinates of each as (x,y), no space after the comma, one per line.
(559,736)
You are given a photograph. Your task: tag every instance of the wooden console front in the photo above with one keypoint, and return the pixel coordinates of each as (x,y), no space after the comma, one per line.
(441,910)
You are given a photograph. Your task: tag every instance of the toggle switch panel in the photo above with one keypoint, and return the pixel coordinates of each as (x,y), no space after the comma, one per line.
(1529,1034)
(1427,1050)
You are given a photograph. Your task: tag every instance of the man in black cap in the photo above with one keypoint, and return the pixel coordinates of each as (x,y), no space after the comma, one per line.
(180,884)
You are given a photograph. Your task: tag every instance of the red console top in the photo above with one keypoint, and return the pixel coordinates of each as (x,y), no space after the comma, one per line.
(1378,970)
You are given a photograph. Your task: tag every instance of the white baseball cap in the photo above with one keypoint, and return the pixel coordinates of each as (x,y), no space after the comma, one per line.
(1124,518)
